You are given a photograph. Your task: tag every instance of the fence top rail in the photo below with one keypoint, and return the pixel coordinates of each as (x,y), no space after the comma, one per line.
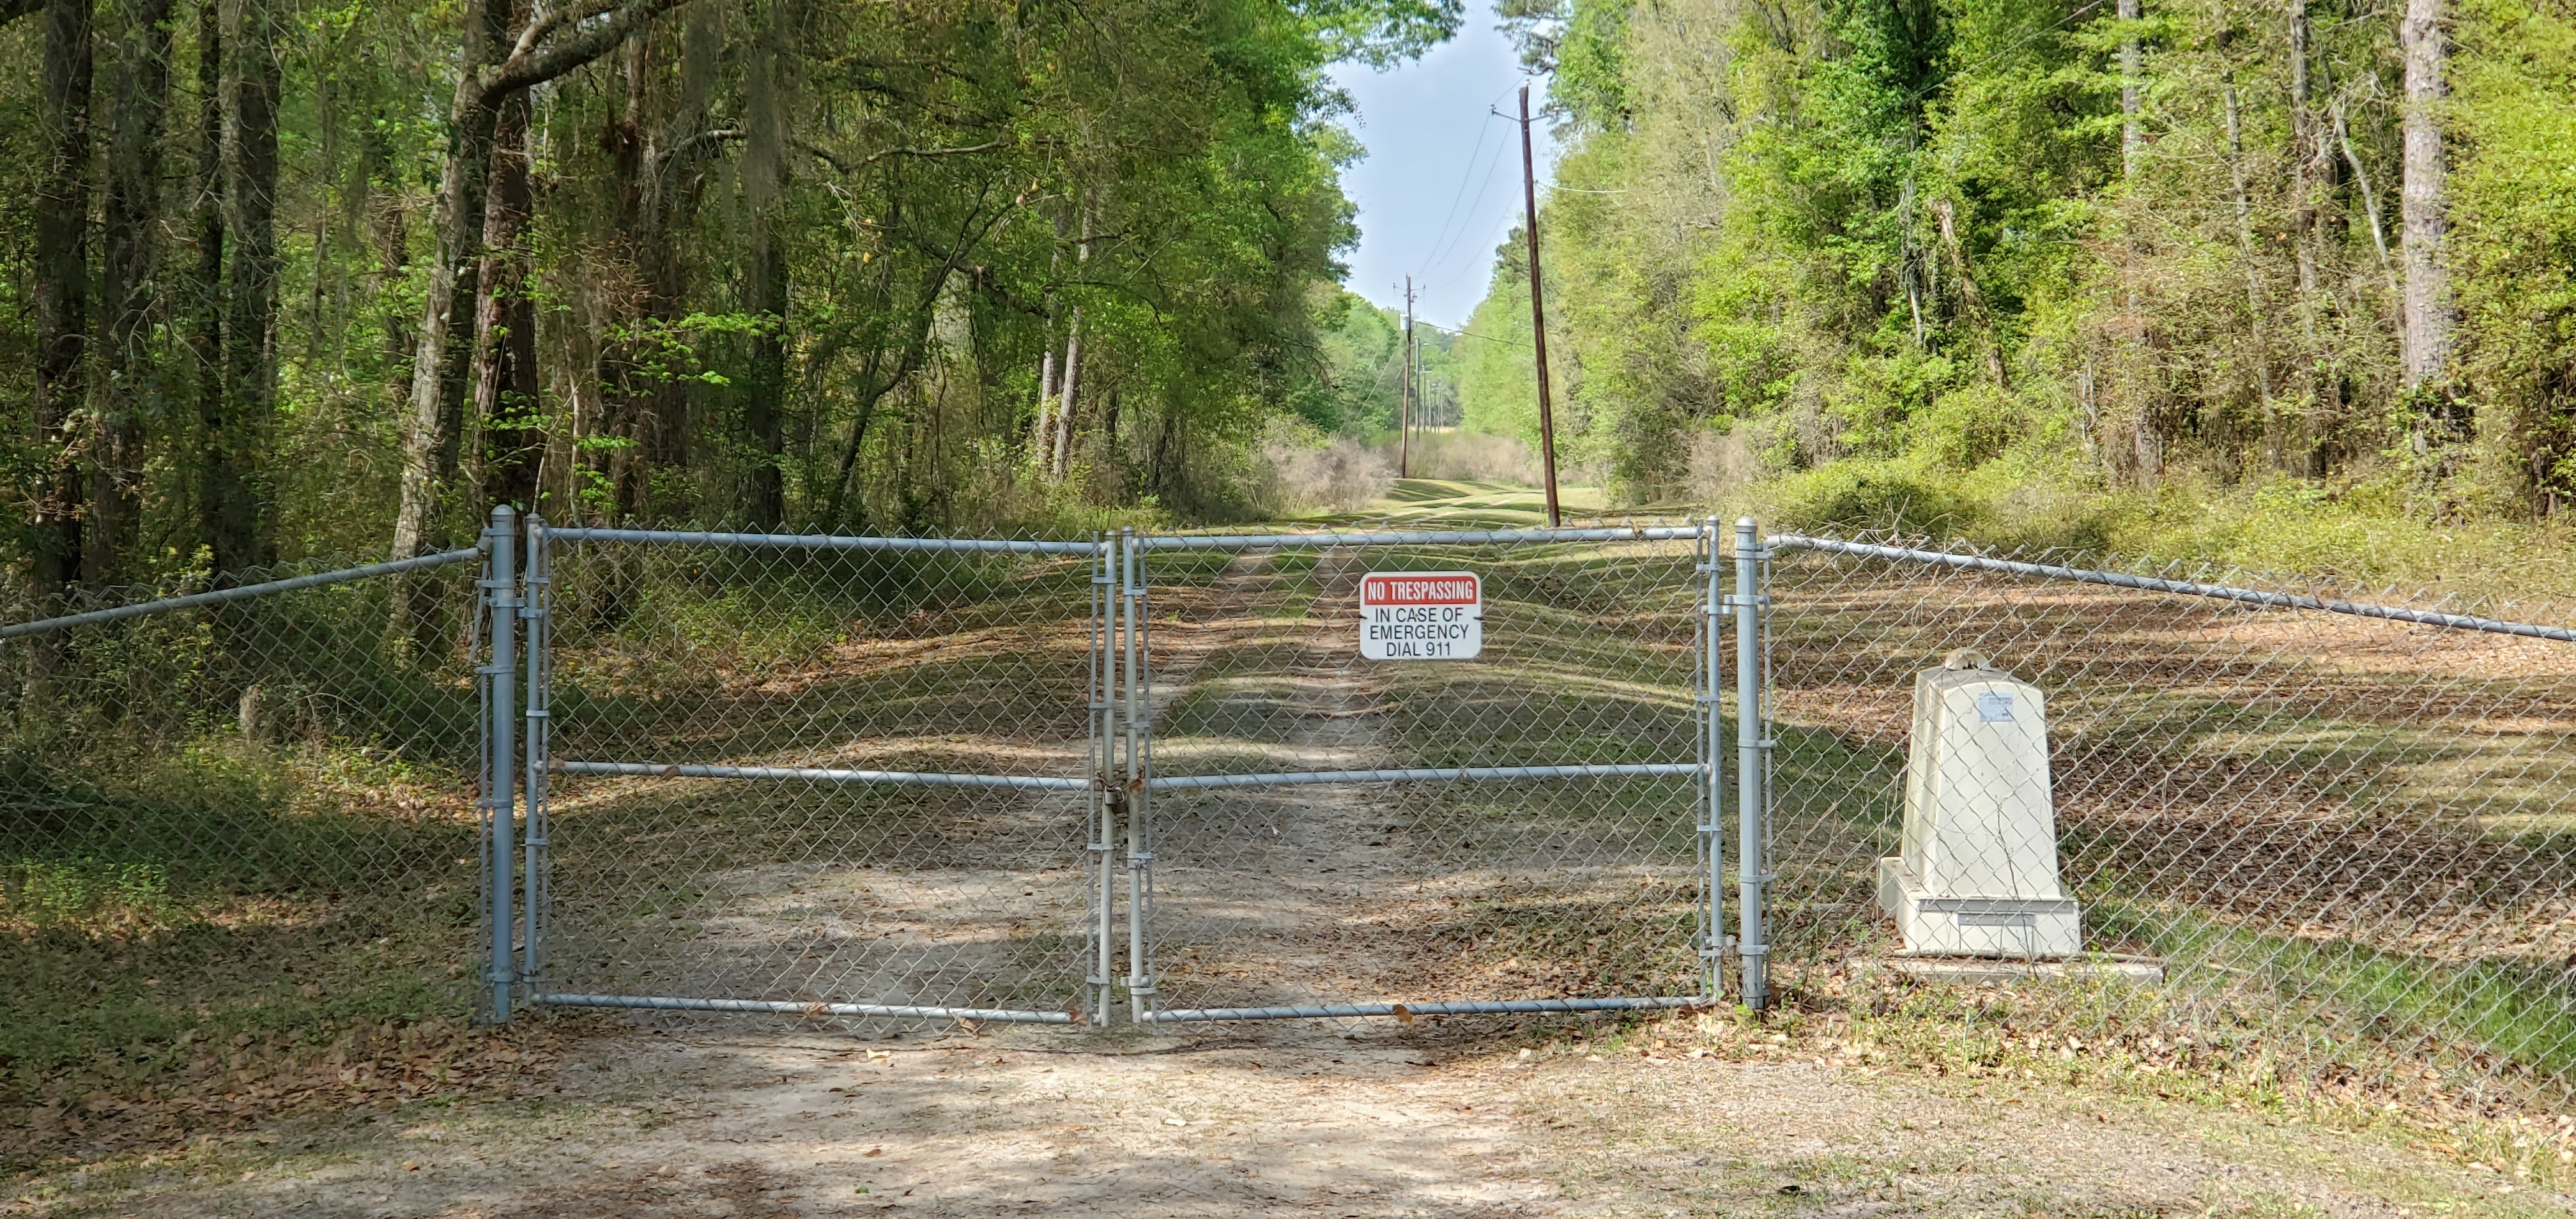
(240,592)
(1429,774)
(2185,588)
(819,541)
(819,774)
(1415,537)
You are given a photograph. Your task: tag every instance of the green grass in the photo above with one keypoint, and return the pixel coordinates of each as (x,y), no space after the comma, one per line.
(2383,1004)
(1464,504)
(2468,1017)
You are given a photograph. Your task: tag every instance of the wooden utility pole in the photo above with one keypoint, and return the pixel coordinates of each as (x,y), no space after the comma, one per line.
(1404,411)
(1538,315)
(1413,361)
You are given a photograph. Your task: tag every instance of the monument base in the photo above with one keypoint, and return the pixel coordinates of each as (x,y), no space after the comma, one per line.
(1988,971)
(2021,928)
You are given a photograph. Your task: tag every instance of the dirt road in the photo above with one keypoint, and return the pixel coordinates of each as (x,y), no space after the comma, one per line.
(1382,1121)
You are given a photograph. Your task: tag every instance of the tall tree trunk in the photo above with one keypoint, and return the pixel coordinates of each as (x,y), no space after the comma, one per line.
(1062,458)
(2428,317)
(1064,412)
(659,191)
(206,283)
(436,414)
(2131,65)
(764,178)
(62,290)
(1046,395)
(660,404)
(765,418)
(2245,253)
(388,219)
(2306,147)
(1040,436)
(504,373)
(635,159)
(132,209)
(238,451)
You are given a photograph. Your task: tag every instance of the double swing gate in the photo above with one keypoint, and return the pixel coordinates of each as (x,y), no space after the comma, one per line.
(1137,778)
(1152,779)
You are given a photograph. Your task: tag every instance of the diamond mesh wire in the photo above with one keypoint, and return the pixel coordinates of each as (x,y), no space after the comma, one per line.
(2354,831)
(1446,890)
(262,806)
(796,884)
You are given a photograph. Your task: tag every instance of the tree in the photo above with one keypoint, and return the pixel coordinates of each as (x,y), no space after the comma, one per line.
(131,216)
(2428,315)
(62,291)
(782,263)
(504,54)
(238,526)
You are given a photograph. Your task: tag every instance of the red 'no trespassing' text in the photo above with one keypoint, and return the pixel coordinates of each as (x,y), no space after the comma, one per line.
(1431,590)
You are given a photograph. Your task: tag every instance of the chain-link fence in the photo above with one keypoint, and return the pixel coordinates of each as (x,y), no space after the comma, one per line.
(1521,827)
(252,803)
(1160,777)
(2349,823)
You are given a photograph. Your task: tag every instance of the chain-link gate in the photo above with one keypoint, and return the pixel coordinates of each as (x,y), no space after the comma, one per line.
(917,777)
(1531,830)
(2347,821)
(837,776)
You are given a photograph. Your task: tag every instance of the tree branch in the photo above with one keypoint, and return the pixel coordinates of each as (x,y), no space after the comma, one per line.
(529,67)
(819,153)
(547,21)
(663,160)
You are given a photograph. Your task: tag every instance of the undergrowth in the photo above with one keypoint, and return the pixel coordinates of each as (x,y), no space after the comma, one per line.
(157,902)
(2363,532)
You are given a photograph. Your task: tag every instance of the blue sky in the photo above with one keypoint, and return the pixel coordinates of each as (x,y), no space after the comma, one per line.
(1441,184)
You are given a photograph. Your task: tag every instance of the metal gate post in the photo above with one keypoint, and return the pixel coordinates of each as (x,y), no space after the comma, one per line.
(1140,837)
(537,875)
(1099,980)
(1713,943)
(499,797)
(1752,946)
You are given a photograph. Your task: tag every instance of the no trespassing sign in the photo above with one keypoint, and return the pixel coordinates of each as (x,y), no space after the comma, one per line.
(1421,615)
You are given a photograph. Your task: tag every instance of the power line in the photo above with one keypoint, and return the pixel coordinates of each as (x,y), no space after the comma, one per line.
(1436,242)
(1470,334)
(1440,257)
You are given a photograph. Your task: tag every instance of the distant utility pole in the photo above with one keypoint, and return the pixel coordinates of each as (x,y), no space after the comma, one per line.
(1404,413)
(1413,363)
(1538,314)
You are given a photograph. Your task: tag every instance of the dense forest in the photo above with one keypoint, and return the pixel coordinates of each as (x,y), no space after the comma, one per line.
(286,277)
(1947,248)
(290,277)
